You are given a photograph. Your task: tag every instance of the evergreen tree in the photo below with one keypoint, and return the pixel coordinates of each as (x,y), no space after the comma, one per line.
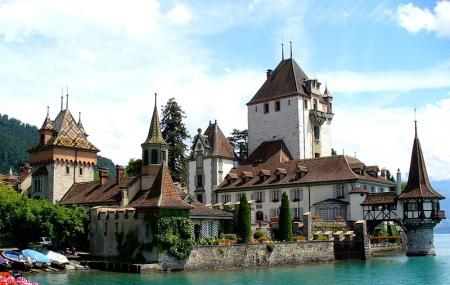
(285,220)
(244,228)
(239,141)
(174,132)
(134,167)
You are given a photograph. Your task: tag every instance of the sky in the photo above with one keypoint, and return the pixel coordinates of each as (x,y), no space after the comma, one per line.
(380,60)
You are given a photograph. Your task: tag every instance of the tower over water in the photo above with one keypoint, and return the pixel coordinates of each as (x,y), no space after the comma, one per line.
(64,156)
(290,107)
(418,205)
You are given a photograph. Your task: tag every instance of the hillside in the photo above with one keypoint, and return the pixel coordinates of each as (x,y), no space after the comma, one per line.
(15,139)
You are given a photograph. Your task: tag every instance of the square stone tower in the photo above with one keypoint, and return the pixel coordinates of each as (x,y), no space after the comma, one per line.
(290,107)
(64,156)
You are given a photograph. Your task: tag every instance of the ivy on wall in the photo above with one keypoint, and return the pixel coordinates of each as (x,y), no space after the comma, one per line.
(174,235)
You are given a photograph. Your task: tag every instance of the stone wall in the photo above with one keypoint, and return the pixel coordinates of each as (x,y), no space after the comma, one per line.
(237,256)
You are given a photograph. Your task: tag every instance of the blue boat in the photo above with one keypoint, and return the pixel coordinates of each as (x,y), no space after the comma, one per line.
(17,259)
(4,264)
(38,259)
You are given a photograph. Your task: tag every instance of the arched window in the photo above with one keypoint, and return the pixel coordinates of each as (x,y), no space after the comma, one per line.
(145,157)
(259,216)
(154,159)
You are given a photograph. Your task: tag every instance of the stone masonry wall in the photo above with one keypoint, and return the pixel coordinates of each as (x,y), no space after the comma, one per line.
(236,256)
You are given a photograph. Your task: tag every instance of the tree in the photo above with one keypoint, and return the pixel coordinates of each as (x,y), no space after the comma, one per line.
(133,167)
(243,228)
(239,141)
(285,220)
(389,176)
(175,133)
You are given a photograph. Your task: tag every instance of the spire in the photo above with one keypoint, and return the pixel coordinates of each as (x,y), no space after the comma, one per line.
(290,48)
(48,112)
(80,124)
(155,134)
(62,98)
(418,185)
(67,97)
(415,123)
(282,48)
(48,124)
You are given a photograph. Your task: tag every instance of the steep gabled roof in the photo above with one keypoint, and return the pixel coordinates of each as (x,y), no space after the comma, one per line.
(218,142)
(287,79)
(154,133)
(201,211)
(162,194)
(269,150)
(418,183)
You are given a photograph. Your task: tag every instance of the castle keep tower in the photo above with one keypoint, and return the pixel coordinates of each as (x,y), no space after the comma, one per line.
(420,204)
(290,107)
(63,156)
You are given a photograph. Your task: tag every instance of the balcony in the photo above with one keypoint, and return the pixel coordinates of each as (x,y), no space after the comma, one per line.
(317,117)
(441,215)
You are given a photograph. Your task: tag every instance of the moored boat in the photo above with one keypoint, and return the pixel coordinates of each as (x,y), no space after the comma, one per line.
(39,260)
(57,259)
(4,264)
(17,259)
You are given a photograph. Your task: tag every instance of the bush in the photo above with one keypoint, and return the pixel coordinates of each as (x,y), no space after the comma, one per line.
(244,230)
(285,223)
(270,247)
(230,236)
(299,238)
(322,238)
(259,234)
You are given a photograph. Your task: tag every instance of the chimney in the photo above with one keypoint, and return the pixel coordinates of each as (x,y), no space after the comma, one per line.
(269,73)
(383,173)
(399,182)
(119,173)
(103,176)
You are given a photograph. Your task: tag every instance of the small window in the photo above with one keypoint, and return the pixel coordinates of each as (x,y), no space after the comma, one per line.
(199,161)
(277,106)
(266,108)
(154,158)
(256,108)
(305,103)
(289,102)
(315,104)
(199,180)
(316,155)
(67,170)
(226,198)
(145,157)
(340,191)
(80,171)
(275,195)
(200,198)
(105,233)
(163,154)
(42,138)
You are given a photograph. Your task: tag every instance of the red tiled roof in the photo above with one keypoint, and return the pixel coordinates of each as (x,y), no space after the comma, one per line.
(162,194)
(200,210)
(92,193)
(275,151)
(319,170)
(418,185)
(215,142)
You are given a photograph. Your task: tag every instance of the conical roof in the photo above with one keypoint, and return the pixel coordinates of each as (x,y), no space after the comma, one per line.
(154,134)
(48,123)
(418,183)
(287,79)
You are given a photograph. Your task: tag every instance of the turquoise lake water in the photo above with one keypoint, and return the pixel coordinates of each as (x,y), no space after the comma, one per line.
(378,270)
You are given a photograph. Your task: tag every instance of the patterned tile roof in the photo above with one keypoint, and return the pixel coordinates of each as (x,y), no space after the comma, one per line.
(418,185)
(67,132)
(287,79)
(154,134)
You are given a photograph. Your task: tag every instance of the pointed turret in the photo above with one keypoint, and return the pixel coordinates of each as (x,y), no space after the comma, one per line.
(154,133)
(155,148)
(80,125)
(48,123)
(418,185)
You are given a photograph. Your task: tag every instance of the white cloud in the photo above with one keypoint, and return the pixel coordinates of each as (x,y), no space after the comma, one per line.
(415,19)
(179,14)
(384,136)
(397,80)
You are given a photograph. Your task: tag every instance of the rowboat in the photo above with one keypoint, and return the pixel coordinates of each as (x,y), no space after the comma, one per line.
(57,259)
(39,260)
(4,264)
(17,259)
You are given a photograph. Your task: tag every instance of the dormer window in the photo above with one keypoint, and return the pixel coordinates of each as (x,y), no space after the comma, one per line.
(280,173)
(301,172)
(264,175)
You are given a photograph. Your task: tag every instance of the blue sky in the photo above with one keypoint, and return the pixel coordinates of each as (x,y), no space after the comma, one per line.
(379,59)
